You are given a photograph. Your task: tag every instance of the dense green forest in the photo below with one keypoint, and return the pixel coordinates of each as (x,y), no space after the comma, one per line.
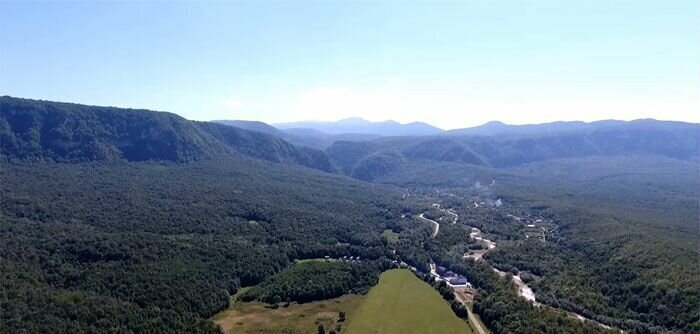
(158,247)
(317,280)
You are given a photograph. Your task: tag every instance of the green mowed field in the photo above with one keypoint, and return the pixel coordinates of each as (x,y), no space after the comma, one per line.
(401,303)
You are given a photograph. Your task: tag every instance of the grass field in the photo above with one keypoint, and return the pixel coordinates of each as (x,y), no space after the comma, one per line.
(391,236)
(259,318)
(401,303)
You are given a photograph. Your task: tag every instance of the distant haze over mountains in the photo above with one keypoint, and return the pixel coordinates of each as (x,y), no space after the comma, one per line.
(43,130)
(359,125)
(396,147)
(301,136)
(495,128)
(358,129)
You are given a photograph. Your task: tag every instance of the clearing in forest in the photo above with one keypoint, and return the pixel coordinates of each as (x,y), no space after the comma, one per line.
(402,303)
(261,318)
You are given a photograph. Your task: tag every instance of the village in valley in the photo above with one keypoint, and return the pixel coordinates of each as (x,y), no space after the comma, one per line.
(531,228)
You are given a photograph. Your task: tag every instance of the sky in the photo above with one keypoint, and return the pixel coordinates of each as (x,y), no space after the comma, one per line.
(452,64)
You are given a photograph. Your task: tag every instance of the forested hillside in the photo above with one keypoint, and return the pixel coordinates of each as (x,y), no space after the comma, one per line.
(629,226)
(669,139)
(42,130)
(317,280)
(158,247)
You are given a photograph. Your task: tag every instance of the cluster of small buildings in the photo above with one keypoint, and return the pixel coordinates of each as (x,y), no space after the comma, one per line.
(536,228)
(452,278)
(343,259)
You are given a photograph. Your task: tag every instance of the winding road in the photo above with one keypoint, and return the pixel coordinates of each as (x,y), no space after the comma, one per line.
(523,289)
(436,226)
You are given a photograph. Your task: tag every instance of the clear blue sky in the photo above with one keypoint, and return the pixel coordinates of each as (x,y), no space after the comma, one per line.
(452,64)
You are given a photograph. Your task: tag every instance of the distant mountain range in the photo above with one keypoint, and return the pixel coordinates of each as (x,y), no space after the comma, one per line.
(358,129)
(300,136)
(374,159)
(31,129)
(359,125)
(322,135)
(496,128)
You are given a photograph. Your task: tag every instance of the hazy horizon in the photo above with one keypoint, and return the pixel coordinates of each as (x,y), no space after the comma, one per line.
(457,126)
(453,127)
(450,65)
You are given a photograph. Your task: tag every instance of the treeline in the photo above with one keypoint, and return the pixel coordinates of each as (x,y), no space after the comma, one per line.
(447,293)
(317,280)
